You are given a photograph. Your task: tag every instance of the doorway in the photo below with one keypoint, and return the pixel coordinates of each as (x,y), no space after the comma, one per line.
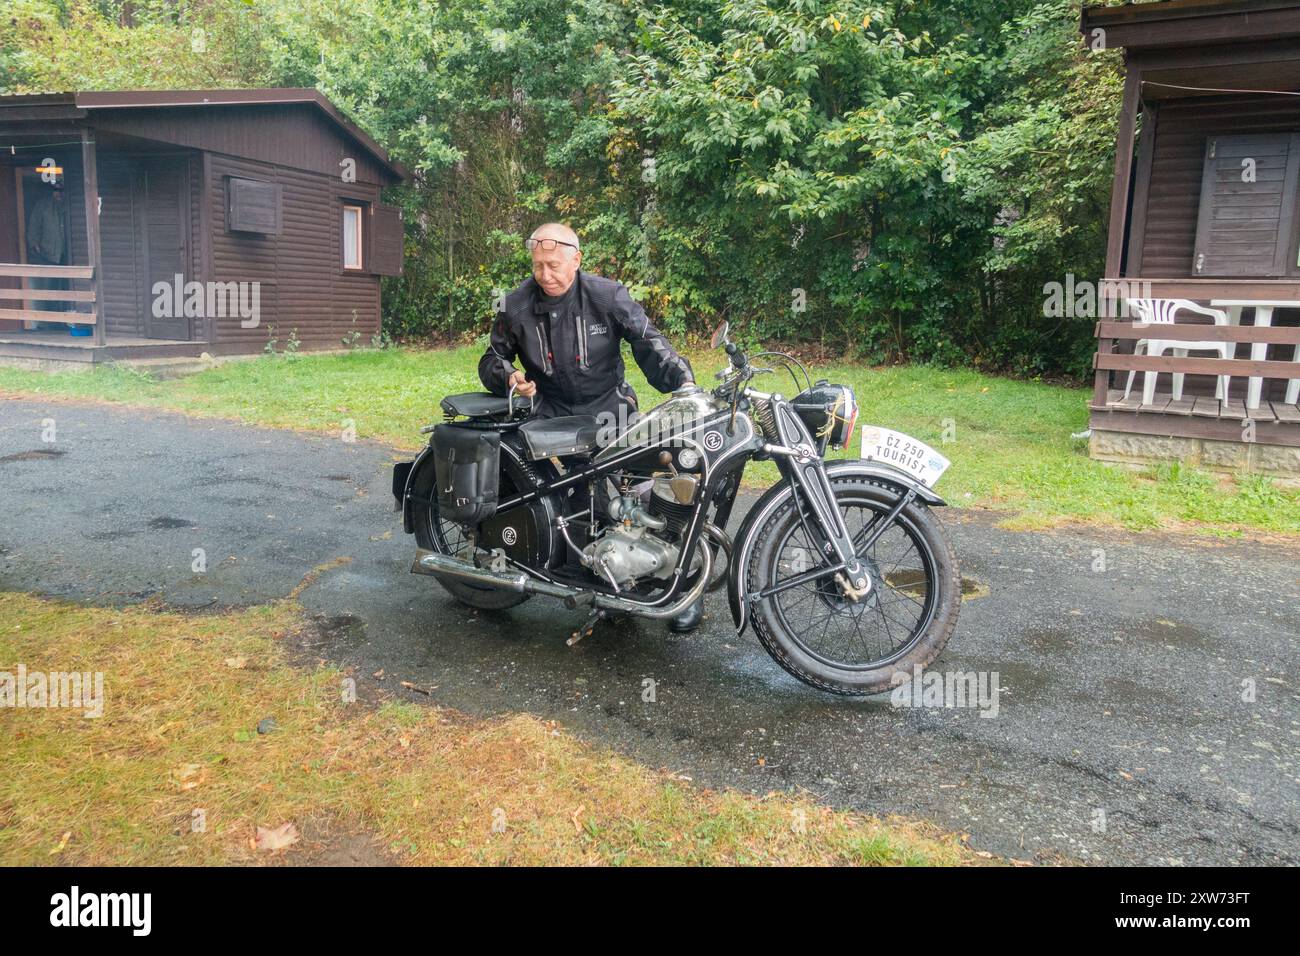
(164,190)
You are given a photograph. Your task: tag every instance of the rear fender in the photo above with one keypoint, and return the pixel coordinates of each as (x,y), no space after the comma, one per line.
(413,481)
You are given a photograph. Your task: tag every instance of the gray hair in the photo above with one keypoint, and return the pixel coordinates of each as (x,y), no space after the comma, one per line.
(561,232)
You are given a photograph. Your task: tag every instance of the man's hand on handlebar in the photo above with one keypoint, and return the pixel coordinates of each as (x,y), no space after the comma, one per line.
(523,387)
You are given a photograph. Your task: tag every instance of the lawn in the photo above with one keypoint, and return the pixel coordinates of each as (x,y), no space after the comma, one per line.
(284,759)
(1009,440)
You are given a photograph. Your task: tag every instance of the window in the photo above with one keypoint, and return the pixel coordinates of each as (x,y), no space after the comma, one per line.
(252,206)
(1248,195)
(352,237)
(386,240)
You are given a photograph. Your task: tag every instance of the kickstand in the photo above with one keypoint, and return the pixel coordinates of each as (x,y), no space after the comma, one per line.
(588,626)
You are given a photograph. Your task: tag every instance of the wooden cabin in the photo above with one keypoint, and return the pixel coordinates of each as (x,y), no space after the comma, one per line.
(188,222)
(1203,208)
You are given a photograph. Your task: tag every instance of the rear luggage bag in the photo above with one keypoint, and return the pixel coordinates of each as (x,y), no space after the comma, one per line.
(465,463)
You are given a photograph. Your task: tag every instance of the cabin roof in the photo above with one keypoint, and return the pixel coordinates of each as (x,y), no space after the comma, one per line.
(1168,23)
(88,102)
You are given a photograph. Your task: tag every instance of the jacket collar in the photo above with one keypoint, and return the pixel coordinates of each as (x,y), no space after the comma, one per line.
(573,294)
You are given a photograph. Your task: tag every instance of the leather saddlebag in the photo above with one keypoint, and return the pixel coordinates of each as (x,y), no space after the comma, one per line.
(465,462)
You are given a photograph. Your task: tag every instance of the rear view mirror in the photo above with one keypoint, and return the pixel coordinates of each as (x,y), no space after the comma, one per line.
(720,335)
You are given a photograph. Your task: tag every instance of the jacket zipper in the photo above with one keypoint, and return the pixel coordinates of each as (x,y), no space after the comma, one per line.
(582,341)
(546,349)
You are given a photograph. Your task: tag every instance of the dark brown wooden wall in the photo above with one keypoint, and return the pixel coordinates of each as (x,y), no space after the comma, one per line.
(1177,163)
(303,285)
(297,136)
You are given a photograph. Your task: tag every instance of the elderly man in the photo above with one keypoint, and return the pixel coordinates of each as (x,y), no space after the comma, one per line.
(565,327)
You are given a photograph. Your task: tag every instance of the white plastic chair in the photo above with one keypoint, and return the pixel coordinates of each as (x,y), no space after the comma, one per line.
(1293,386)
(1162,312)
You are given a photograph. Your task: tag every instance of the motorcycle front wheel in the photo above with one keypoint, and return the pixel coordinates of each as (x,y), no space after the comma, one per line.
(856,647)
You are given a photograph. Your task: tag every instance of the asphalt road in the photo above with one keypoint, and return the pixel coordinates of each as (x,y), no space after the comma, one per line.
(1122,732)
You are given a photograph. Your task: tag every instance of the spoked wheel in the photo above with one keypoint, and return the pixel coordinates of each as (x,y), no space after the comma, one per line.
(446,537)
(832,642)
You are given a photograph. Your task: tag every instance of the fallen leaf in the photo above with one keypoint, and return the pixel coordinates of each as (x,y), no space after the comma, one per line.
(1126,776)
(62,843)
(188,775)
(409,686)
(404,740)
(277,838)
(236,663)
(577,826)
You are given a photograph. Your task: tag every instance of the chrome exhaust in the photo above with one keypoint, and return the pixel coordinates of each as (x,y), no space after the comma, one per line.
(434,563)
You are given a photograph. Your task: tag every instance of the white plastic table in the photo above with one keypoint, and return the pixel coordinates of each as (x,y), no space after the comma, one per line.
(1258,350)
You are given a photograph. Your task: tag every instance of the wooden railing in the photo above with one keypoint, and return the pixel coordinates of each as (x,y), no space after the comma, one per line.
(1106,361)
(13,270)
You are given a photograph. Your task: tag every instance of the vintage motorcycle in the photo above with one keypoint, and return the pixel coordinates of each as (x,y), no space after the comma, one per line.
(844,570)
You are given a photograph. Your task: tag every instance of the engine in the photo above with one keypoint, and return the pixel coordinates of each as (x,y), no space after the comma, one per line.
(646,537)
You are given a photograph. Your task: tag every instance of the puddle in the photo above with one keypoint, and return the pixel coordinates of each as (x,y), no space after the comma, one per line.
(1166,632)
(1133,697)
(162,524)
(909,582)
(1050,639)
(111,535)
(1021,682)
(36,454)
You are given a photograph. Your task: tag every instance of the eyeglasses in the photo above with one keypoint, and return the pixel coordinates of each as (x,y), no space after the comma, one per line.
(546,245)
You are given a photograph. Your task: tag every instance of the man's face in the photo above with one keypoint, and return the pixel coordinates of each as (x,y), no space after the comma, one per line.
(555,269)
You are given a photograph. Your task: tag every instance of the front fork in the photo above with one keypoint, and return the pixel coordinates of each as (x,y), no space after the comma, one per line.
(799,462)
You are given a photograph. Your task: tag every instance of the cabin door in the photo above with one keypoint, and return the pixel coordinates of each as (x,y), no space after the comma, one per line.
(166,247)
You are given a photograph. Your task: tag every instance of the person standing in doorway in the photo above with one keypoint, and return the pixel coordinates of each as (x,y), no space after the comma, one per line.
(47,244)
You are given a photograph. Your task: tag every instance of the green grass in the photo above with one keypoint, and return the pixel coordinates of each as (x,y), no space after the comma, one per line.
(423,784)
(1009,441)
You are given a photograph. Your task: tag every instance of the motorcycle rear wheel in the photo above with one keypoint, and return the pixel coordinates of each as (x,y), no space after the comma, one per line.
(857,647)
(446,537)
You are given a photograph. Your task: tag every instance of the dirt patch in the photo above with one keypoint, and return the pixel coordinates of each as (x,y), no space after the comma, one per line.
(326,842)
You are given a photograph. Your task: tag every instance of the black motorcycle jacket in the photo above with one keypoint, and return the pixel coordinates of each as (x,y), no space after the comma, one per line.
(570,347)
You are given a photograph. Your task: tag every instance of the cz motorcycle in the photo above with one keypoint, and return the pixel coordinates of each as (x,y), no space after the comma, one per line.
(842,567)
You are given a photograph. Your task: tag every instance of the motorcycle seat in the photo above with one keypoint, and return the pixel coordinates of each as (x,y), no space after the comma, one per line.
(481,405)
(555,437)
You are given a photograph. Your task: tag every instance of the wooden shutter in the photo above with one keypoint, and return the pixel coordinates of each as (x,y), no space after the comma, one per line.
(252,206)
(1248,192)
(386,240)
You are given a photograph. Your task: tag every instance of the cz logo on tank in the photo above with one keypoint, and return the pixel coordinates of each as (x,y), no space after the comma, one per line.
(509,536)
(713,440)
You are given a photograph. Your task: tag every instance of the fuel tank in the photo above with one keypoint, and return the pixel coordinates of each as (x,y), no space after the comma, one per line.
(683,410)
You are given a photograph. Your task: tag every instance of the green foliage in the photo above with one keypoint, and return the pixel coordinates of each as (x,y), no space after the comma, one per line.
(896,178)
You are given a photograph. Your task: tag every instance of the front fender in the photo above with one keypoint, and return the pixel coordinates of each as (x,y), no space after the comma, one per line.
(777,495)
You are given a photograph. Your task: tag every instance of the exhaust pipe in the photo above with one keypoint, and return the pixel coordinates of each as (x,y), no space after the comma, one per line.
(434,563)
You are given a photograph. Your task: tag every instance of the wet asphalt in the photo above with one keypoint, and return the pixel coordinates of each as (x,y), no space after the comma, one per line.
(1147,709)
